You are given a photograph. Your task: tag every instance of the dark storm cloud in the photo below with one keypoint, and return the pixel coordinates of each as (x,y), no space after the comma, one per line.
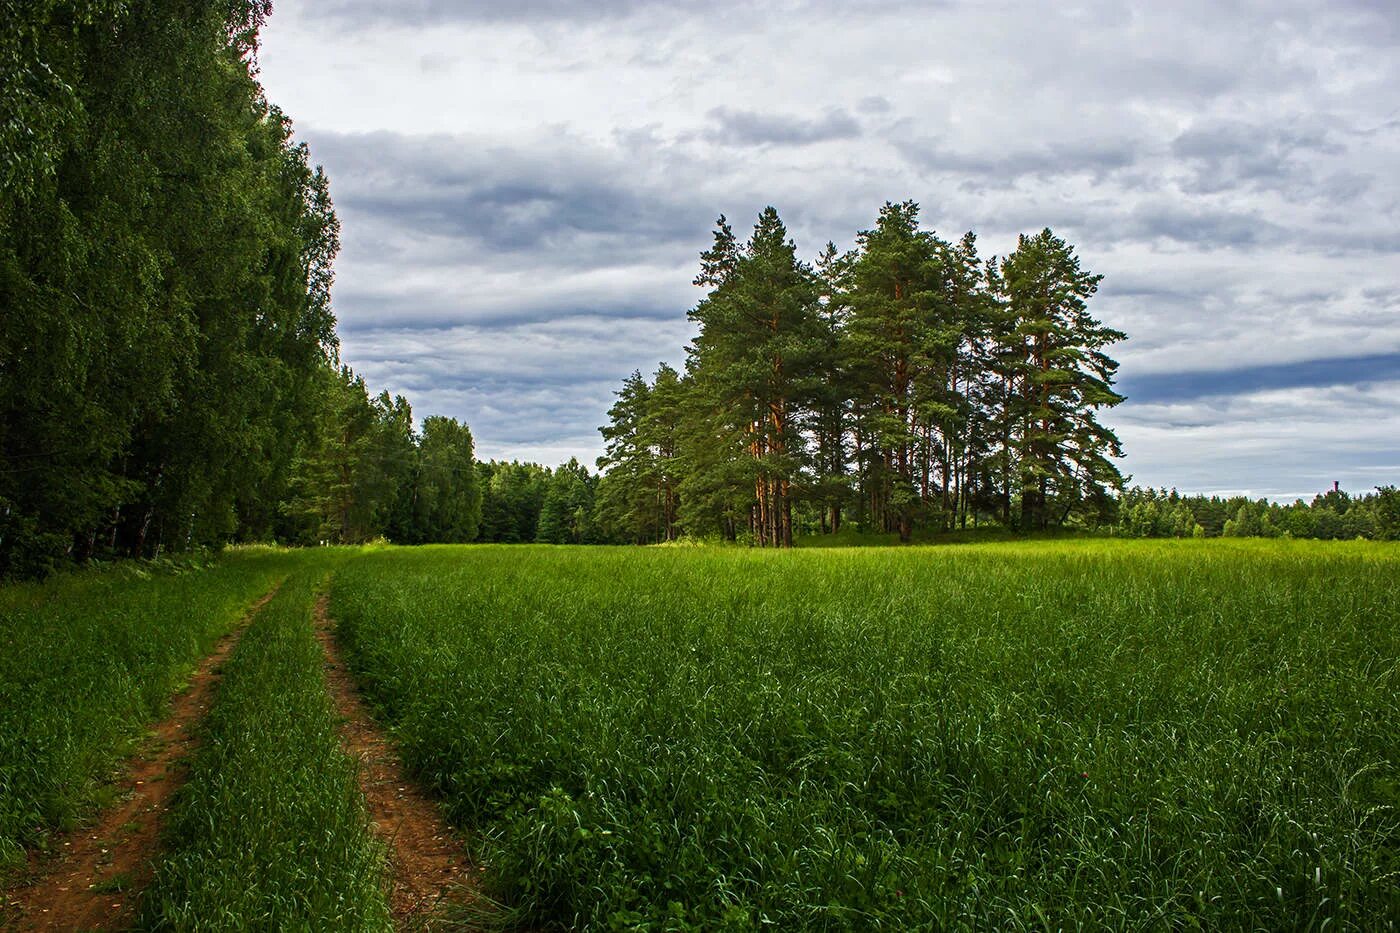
(750,128)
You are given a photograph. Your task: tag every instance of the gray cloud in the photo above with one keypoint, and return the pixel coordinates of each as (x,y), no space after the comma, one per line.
(527,385)
(1306,436)
(1230,155)
(1207,227)
(1189,384)
(549,195)
(1005,166)
(434,12)
(749,128)
(438,12)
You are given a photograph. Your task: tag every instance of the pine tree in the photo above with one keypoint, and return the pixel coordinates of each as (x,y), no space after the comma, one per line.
(898,335)
(625,500)
(758,334)
(828,414)
(1056,376)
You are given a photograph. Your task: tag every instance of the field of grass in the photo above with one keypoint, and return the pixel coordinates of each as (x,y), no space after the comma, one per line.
(1011,736)
(271,830)
(87,661)
(1032,735)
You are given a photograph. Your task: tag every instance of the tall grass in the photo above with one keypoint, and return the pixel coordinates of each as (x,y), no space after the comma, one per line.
(271,831)
(86,662)
(1043,735)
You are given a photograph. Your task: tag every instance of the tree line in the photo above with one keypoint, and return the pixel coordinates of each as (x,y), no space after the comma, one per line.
(169,366)
(905,384)
(1333,515)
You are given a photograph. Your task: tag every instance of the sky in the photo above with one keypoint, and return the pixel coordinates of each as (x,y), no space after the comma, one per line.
(525,187)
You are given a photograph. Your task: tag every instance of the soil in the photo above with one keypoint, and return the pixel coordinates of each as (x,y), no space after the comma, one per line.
(432,873)
(93,877)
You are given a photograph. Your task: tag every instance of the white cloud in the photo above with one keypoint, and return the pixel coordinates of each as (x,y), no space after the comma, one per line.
(1228,167)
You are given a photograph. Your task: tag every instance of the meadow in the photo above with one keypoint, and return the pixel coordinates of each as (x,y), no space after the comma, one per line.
(87,660)
(1014,736)
(1023,735)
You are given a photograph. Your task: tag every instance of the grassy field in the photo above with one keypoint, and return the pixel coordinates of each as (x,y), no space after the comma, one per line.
(87,661)
(1035,736)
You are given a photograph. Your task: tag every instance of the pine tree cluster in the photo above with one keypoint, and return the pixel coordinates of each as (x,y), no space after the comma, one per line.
(904,385)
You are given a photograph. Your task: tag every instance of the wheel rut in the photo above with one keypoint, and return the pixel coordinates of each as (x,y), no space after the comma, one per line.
(93,877)
(434,883)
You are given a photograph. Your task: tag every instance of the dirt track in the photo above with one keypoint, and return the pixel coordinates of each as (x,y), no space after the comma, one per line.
(430,866)
(95,877)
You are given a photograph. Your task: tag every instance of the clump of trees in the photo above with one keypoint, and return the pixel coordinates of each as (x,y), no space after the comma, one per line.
(527,502)
(169,369)
(906,384)
(1335,514)
(362,472)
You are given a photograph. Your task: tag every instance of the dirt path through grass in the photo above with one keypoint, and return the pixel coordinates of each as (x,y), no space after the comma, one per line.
(94,879)
(431,870)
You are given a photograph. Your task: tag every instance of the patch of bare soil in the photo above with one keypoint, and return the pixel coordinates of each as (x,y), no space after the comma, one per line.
(431,871)
(94,877)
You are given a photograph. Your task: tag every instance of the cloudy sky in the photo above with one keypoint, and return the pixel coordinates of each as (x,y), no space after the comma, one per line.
(525,186)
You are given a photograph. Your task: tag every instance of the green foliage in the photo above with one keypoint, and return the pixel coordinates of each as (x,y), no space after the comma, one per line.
(350,468)
(566,515)
(169,373)
(271,829)
(1050,352)
(1008,736)
(902,344)
(1158,513)
(905,385)
(87,660)
(640,499)
(751,362)
(446,494)
(165,265)
(512,497)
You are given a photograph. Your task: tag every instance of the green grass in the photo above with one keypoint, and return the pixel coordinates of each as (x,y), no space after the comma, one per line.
(86,662)
(1040,735)
(271,831)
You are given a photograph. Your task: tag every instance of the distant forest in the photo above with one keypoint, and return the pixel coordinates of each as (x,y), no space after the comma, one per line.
(170,375)
(524,502)
(1333,515)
